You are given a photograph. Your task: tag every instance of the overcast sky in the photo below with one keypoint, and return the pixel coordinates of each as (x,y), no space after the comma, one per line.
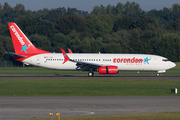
(87,5)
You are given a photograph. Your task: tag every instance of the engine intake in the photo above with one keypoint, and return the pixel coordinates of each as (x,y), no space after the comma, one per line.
(108,70)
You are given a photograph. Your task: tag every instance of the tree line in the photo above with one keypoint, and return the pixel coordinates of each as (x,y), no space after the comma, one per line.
(124,28)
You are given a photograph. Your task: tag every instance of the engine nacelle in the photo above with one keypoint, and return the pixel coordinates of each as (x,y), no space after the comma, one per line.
(108,70)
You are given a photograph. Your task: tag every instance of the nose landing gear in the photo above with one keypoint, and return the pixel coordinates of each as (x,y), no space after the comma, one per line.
(91,73)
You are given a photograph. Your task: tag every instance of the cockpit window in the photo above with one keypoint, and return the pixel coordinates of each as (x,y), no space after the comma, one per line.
(165,60)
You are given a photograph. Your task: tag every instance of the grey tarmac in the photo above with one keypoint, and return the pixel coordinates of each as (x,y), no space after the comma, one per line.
(86,77)
(40,107)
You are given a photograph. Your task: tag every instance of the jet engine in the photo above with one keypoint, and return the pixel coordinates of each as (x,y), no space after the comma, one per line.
(108,70)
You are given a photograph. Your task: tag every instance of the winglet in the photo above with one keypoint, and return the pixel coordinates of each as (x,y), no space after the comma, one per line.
(70,50)
(65,56)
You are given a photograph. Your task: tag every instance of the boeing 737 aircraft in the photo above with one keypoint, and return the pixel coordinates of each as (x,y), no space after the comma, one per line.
(27,53)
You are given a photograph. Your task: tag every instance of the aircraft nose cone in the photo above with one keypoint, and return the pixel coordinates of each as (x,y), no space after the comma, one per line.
(172,65)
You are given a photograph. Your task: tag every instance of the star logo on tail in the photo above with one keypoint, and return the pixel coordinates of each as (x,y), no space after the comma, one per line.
(146,60)
(24,48)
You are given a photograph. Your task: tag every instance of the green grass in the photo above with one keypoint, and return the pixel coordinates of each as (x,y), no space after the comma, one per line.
(90,87)
(33,71)
(43,71)
(87,87)
(143,116)
(177,65)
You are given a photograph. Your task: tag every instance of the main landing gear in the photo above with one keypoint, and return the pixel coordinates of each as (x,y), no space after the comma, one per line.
(91,73)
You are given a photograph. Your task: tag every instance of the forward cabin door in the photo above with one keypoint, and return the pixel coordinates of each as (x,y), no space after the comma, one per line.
(38,60)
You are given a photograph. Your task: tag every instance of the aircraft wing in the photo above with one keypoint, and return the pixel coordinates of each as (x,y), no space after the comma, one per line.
(84,66)
(81,65)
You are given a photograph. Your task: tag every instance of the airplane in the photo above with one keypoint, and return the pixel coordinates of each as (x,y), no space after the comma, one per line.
(27,53)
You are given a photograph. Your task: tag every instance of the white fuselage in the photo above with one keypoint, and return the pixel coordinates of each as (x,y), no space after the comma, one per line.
(130,62)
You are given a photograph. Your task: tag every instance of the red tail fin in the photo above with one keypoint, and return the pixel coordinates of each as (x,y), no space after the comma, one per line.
(22,44)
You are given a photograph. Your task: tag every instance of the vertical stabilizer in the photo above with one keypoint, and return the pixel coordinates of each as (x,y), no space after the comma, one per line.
(21,43)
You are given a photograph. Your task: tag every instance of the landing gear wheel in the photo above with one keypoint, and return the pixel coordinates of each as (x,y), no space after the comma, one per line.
(90,74)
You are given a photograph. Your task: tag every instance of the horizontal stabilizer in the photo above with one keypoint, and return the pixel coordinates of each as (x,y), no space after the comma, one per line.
(14,54)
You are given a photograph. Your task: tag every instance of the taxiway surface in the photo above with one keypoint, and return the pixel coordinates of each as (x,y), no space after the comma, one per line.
(94,77)
(40,107)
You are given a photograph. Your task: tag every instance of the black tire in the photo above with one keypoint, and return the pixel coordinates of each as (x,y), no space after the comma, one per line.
(90,74)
